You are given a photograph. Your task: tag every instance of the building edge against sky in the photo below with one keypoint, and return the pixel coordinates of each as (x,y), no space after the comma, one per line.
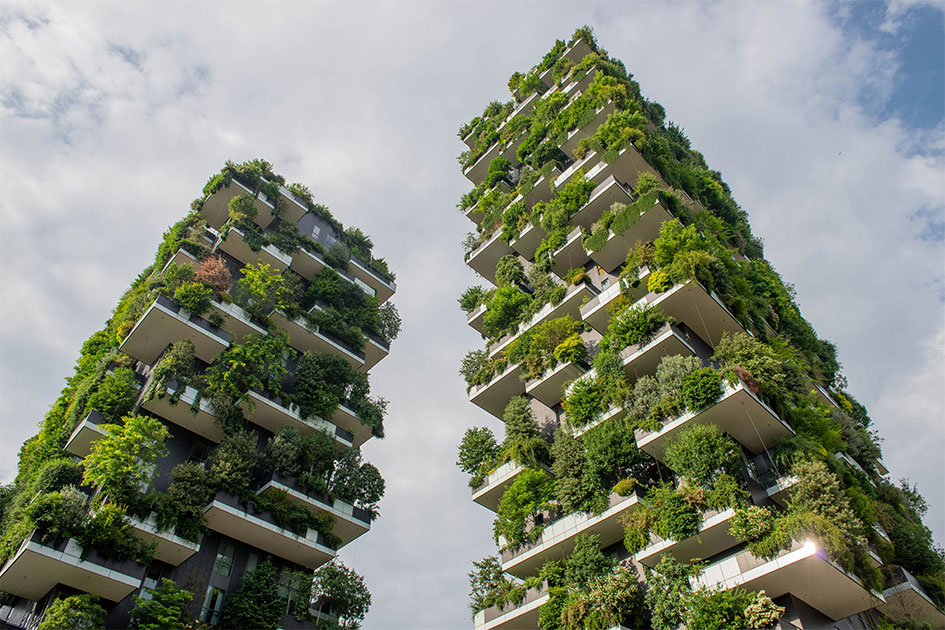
(664,401)
(212,429)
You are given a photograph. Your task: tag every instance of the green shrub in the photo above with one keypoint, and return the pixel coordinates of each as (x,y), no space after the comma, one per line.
(478,454)
(232,463)
(702,388)
(256,603)
(194,297)
(163,610)
(524,499)
(509,271)
(658,282)
(635,325)
(115,395)
(701,454)
(570,350)
(583,402)
(674,518)
(750,523)
(242,209)
(78,612)
(61,513)
(625,487)
(471,298)
(507,307)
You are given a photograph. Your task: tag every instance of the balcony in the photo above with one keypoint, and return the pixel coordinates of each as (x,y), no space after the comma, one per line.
(906,599)
(165,322)
(235,244)
(702,312)
(490,492)
(570,305)
(216,210)
(292,210)
(484,258)
(596,312)
(780,489)
(645,230)
(804,571)
(612,413)
(375,349)
(577,51)
(557,539)
(626,167)
(183,257)
(474,214)
(171,548)
(667,341)
(272,415)
(86,432)
(570,255)
(235,320)
(606,194)
(303,338)
(383,288)
(350,522)
(348,421)
(549,387)
(738,412)
(474,318)
(37,567)
(203,422)
(576,135)
(528,240)
(495,395)
(480,168)
(226,516)
(711,539)
(586,164)
(511,617)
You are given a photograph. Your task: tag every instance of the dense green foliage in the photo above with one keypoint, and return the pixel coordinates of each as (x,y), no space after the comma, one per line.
(77,612)
(256,603)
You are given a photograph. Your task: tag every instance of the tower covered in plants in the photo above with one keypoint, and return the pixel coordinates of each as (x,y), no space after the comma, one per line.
(203,463)
(679,448)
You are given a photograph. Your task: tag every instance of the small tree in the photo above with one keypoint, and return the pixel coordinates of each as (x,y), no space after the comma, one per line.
(701,454)
(115,395)
(478,454)
(341,592)
(213,271)
(78,612)
(256,603)
(522,440)
(164,610)
(488,584)
(122,459)
(261,288)
(232,463)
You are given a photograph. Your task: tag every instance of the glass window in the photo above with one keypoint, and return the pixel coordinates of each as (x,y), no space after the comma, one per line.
(224,562)
(251,562)
(200,450)
(212,605)
(151,579)
(316,231)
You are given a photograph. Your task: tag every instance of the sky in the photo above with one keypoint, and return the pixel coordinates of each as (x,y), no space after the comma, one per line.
(825,119)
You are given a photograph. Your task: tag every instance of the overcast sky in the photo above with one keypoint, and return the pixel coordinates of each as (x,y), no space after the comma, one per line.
(826,122)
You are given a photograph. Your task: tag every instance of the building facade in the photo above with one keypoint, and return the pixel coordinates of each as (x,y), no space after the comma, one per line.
(677,438)
(215,423)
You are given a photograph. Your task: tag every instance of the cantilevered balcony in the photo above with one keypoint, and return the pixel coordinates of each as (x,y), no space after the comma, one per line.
(738,412)
(350,521)
(480,168)
(489,493)
(495,395)
(528,240)
(805,571)
(585,165)
(86,432)
(272,415)
(382,287)
(303,338)
(225,515)
(484,258)
(292,210)
(611,413)
(580,133)
(906,599)
(512,617)
(475,213)
(374,349)
(236,320)
(570,305)
(235,244)
(570,255)
(183,257)
(626,167)
(475,318)
(780,488)
(549,387)
(645,230)
(348,421)
(171,548)
(164,323)
(557,539)
(711,539)
(606,194)
(36,567)
(577,51)
(597,311)
(203,422)
(669,340)
(701,311)
(216,210)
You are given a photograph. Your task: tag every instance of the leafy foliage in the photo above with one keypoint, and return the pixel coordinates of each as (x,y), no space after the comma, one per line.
(478,454)
(164,610)
(122,459)
(256,603)
(77,612)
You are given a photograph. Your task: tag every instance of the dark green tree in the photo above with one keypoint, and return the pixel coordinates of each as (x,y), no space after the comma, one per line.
(164,610)
(256,603)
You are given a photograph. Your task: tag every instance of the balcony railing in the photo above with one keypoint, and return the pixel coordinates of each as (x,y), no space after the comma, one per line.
(198,419)
(86,432)
(549,387)
(486,256)
(495,395)
(216,210)
(363,271)
(490,491)
(557,539)
(165,322)
(235,244)
(171,548)
(304,338)
(646,229)
(738,412)
(511,616)
(38,566)
(711,539)
(906,599)
(225,515)
(271,414)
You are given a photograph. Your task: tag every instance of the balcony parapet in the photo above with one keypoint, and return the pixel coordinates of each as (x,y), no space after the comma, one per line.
(712,538)
(171,548)
(484,258)
(495,395)
(383,288)
(350,521)
(557,539)
(270,413)
(166,322)
(511,616)
(645,230)
(474,318)
(234,243)
(738,412)
(906,599)
(549,387)
(804,571)
(226,516)
(197,418)
(489,492)
(302,338)
(37,566)
(85,433)
(215,208)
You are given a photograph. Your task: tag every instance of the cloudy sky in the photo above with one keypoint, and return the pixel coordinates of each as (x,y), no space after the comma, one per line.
(826,121)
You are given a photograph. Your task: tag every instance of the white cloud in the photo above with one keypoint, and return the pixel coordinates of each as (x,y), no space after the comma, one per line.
(113,117)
